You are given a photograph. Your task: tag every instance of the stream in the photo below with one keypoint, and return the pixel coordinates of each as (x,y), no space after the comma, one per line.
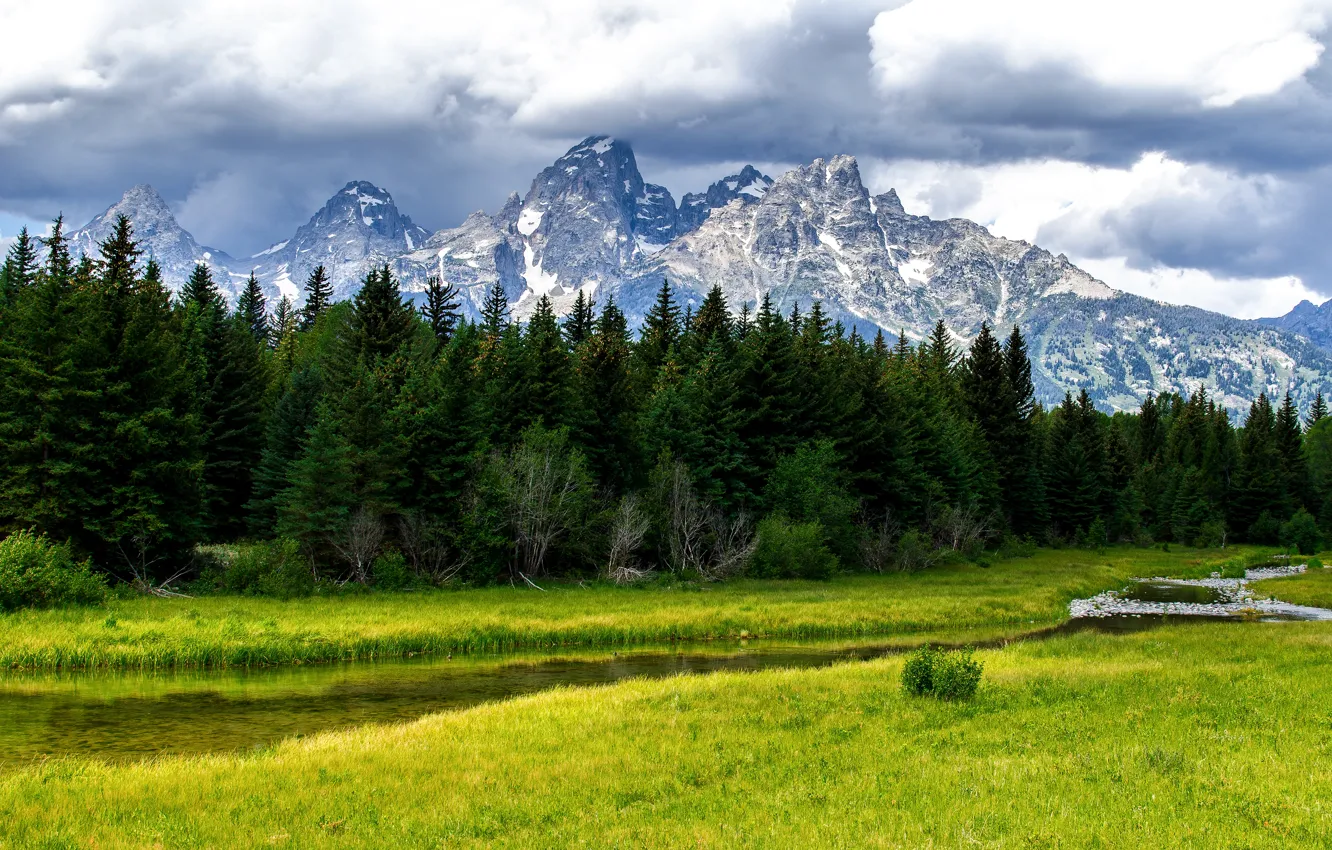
(130,715)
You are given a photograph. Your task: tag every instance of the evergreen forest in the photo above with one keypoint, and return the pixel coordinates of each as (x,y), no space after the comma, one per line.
(374,441)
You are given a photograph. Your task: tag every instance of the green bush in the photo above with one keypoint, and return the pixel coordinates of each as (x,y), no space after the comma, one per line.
(36,573)
(951,675)
(918,672)
(1300,532)
(1211,535)
(391,572)
(1313,564)
(1266,529)
(791,550)
(1016,547)
(273,568)
(1234,568)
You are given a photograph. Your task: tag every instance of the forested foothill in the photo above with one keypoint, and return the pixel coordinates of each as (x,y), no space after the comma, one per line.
(181,442)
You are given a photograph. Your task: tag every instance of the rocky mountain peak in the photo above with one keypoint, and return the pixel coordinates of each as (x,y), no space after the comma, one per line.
(159,236)
(748,187)
(889,204)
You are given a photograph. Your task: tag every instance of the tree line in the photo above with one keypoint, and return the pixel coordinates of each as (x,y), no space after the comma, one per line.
(136,425)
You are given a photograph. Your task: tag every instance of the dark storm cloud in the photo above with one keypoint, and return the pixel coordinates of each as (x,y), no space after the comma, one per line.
(247,138)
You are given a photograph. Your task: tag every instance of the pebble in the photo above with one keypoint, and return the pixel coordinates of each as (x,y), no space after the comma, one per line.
(1237,600)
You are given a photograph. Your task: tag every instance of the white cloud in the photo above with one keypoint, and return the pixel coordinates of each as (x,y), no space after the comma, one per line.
(1217,52)
(333,62)
(1115,222)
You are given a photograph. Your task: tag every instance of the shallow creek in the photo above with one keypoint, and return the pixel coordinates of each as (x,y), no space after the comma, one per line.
(129,715)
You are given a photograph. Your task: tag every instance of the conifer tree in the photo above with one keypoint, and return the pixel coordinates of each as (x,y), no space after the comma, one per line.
(1259,482)
(1317,411)
(606,386)
(440,309)
(284,439)
(282,322)
(660,334)
(580,322)
(494,314)
(380,322)
(547,371)
(1289,439)
(713,320)
(143,494)
(316,504)
(252,308)
(318,296)
(20,268)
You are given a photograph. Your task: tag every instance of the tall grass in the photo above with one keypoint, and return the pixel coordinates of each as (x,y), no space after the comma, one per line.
(154,633)
(1210,735)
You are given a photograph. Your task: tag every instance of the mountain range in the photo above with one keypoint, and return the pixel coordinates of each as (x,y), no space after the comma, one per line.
(589,222)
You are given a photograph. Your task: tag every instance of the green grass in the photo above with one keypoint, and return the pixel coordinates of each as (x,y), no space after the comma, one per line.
(1313,588)
(1204,735)
(153,633)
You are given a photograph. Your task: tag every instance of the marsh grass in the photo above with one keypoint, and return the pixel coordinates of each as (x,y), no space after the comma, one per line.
(222,631)
(1202,735)
(1313,588)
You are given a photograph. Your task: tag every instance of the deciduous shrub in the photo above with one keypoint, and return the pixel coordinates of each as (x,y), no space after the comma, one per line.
(791,550)
(36,573)
(1313,564)
(390,571)
(1300,532)
(274,568)
(953,675)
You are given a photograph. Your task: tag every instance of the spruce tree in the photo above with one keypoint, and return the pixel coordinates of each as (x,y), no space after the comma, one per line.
(1289,440)
(547,373)
(282,322)
(1317,411)
(20,268)
(318,297)
(316,504)
(494,314)
(579,325)
(284,438)
(380,322)
(713,320)
(252,308)
(661,332)
(440,309)
(606,386)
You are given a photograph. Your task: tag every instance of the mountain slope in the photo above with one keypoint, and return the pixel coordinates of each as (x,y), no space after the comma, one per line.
(160,237)
(591,223)
(1309,321)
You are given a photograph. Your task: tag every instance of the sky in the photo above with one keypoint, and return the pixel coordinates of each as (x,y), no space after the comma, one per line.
(1179,149)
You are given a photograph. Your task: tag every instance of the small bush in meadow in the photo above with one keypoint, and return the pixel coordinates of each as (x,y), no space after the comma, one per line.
(791,550)
(272,568)
(918,672)
(953,675)
(1301,533)
(391,572)
(1313,564)
(36,573)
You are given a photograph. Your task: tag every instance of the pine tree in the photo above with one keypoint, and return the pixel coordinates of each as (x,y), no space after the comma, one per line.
(494,314)
(380,322)
(318,297)
(1289,439)
(547,372)
(581,321)
(440,309)
(1317,411)
(201,291)
(661,332)
(252,309)
(713,320)
(316,505)
(20,268)
(282,322)
(607,390)
(284,438)
(1258,487)
(143,493)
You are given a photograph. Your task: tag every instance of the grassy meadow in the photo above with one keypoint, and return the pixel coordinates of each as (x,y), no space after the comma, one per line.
(1196,735)
(156,633)
(1312,588)
(1189,735)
